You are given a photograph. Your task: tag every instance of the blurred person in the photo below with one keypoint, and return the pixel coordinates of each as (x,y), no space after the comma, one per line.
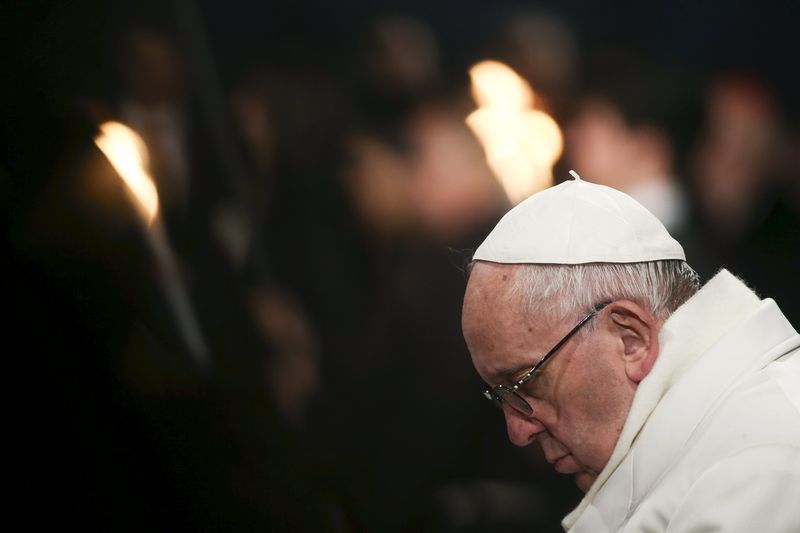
(293,123)
(453,192)
(195,179)
(251,107)
(674,407)
(291,375)
(632,130)
(377,180)
(337,220)
(746,189)
(735,163)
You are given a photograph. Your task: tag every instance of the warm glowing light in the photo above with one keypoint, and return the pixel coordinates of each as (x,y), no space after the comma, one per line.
(521,143)
(128,155)
(496,85)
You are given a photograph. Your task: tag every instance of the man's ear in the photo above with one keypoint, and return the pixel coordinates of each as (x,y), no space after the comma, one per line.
(637,330)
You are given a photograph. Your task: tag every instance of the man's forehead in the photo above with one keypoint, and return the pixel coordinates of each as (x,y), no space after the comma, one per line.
(489,282)
(490,305)
(493,296)
(505,339)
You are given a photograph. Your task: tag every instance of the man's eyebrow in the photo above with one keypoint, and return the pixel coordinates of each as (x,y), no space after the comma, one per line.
(511,373)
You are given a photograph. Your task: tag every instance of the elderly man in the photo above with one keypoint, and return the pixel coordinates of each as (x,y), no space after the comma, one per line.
(676,408)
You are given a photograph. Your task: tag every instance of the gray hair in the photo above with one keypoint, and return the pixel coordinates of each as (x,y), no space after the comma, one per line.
(568,290)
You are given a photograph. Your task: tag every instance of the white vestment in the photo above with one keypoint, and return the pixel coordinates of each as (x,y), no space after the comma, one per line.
(712,441)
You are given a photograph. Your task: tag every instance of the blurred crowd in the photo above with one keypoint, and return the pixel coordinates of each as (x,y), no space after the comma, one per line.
(321,207)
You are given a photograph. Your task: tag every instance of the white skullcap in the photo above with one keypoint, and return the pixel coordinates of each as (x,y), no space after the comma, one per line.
(579,222)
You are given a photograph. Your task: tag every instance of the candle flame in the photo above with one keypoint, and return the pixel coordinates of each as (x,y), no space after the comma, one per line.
(127,153)
(521,143)
(497,86)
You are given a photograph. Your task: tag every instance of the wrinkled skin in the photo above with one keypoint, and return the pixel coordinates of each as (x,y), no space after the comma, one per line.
(583,395)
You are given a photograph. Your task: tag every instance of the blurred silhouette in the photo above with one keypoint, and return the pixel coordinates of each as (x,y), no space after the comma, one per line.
(453,193)
(736,163)
(377,181)
(633,131)
(746,188)
(291,372)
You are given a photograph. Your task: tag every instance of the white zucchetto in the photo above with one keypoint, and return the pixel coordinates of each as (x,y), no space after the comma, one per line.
(579,222)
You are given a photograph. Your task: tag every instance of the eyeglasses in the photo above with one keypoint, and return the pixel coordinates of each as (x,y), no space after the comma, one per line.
(501,394)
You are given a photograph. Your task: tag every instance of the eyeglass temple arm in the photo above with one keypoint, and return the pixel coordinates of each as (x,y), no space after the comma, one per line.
(599,307)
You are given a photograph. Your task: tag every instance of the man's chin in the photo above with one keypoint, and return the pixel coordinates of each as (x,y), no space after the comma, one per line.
(584,480)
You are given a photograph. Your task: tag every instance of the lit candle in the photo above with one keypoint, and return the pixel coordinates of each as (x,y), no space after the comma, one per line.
(128,155)
(521,143)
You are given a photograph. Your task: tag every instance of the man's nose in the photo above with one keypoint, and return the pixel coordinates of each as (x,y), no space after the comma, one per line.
(522,429)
